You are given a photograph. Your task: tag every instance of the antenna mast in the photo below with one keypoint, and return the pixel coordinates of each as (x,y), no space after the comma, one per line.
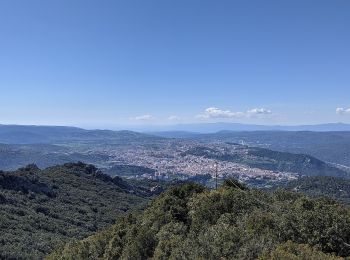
(216,175)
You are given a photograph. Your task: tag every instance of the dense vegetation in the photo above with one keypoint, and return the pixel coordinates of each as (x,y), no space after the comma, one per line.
(40,209)
(128,170)
(234,222)
(335,188)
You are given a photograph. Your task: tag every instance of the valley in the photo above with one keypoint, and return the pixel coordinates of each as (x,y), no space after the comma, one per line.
(78,184)
(162,158)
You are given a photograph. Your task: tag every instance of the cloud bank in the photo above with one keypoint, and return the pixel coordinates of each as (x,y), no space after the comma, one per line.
(214,112)
(343,111)
(143,118)
(174,118)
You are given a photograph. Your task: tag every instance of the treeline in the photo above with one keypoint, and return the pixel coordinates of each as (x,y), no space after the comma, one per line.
(234,222)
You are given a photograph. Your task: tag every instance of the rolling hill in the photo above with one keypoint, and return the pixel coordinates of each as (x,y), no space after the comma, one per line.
(267,159)
(40,209)
(50,145)
(327,146)
(13,156)
(22,134)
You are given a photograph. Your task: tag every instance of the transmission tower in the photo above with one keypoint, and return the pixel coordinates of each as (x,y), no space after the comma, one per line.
(216,165)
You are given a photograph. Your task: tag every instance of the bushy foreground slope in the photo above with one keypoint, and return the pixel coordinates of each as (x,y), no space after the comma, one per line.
(191,222)
(40,209)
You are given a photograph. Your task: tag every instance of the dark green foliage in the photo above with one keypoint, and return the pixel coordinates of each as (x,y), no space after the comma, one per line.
(233,183)
(191,222)
(40,209)
(293,251)
(128,170)
(335,188)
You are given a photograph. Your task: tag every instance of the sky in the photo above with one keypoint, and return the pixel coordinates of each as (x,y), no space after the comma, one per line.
(109,63)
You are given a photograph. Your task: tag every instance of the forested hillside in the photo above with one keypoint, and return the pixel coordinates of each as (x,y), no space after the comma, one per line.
(40,209)
(234,222)
(336,188)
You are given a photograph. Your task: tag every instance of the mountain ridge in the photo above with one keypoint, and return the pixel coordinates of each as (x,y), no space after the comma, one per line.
(32,134)
(220,126)
(41,209)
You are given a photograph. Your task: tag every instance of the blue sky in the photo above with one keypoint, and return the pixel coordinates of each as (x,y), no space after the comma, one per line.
(108,63)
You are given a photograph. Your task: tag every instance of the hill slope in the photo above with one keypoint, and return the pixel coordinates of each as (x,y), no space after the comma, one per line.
(22,134)
(40,209)
(267,159)
(327,146)
(190,222)
(336,188)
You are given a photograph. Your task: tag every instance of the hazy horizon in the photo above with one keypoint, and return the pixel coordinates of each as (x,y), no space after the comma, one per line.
(205,127)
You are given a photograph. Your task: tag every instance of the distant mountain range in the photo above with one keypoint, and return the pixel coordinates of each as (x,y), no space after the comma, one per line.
(27,134)
(216,127)
(31,134)
(50,145)
(24,134)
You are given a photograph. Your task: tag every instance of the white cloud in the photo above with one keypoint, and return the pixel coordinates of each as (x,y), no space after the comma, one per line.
(258,111)
(143,118)
(342,111)
(214,112)
(174,118)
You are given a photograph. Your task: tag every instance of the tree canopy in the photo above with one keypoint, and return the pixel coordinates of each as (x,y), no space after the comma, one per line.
(233,222)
